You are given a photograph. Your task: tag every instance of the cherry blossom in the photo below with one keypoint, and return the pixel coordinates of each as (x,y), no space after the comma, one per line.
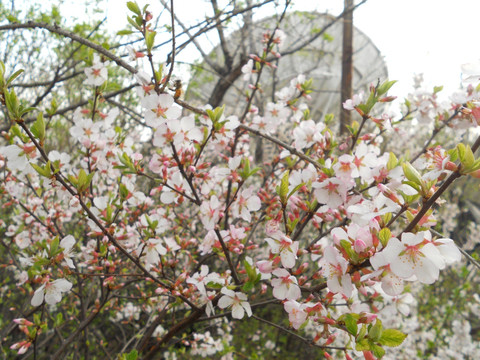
(287,249)
(51,291)
(198,279)
(237,301)
(413,256)
(332,192)
(354,101)
(246,202)
(308,133)
(210,212)
(334,266)
(152,250)
(17,157)
(296,313)
(159,108)
(67,244)
(285,286)
(97,74)
(249,74)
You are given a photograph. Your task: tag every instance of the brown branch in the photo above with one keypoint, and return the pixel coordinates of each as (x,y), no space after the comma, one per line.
(429,203)
(172,56)
(435,133)
(291,149)
(59,177)
(58,30)
(305,340)
(227,256)
(80,328)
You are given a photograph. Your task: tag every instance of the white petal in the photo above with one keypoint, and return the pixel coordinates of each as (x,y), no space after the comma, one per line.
(228,292)
(254,203)
(427,272)
(392,284)
(67,242)
(237,311)
(224,302)
(280,292)
(449,250)
(62,285)
(293,292)
(433,254)
(288,258)
(37,298)
(52,297)
(247,308)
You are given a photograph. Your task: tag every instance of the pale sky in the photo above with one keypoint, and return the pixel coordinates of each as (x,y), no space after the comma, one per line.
(433,37)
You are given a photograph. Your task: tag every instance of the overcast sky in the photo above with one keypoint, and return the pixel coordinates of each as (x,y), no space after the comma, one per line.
(433,37)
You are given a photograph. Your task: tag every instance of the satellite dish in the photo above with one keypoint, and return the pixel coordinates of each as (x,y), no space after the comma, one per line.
(319,59)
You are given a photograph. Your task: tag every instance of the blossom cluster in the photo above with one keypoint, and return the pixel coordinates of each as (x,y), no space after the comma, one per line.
(186,225)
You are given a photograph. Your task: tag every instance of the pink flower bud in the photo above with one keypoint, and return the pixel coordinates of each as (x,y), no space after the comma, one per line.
(367,318)
(264,266)
(330,339)
(359,246)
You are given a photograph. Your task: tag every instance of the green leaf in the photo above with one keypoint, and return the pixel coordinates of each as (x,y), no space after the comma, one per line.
(123,192)
(124,32)
(14,76)
(411,173)
(247,286)
(251,272)
(54,246)
(384,236)
(377,350)
(362,345)
(347,246)
(392,161)
(150,39)
(469,158)
(11,101)
(23,111)
(295,189)
(58,319)
(132,355)
(282,190)
(43,171)
(392,337)
(475,166)
(376,330)
(214,285)
(351,324)
(133,23)
(38,128)
(133,7)
(461,152)
(383,88)
(362,333)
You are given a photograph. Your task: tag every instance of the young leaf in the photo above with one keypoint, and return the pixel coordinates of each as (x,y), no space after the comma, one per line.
(376,331)
(392,337)
(124,32)
(282,190)
(392,161)
(14,76)
(351,324)
(38,128)
(377,350)
(383,89)
(133,7)
(384,236)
